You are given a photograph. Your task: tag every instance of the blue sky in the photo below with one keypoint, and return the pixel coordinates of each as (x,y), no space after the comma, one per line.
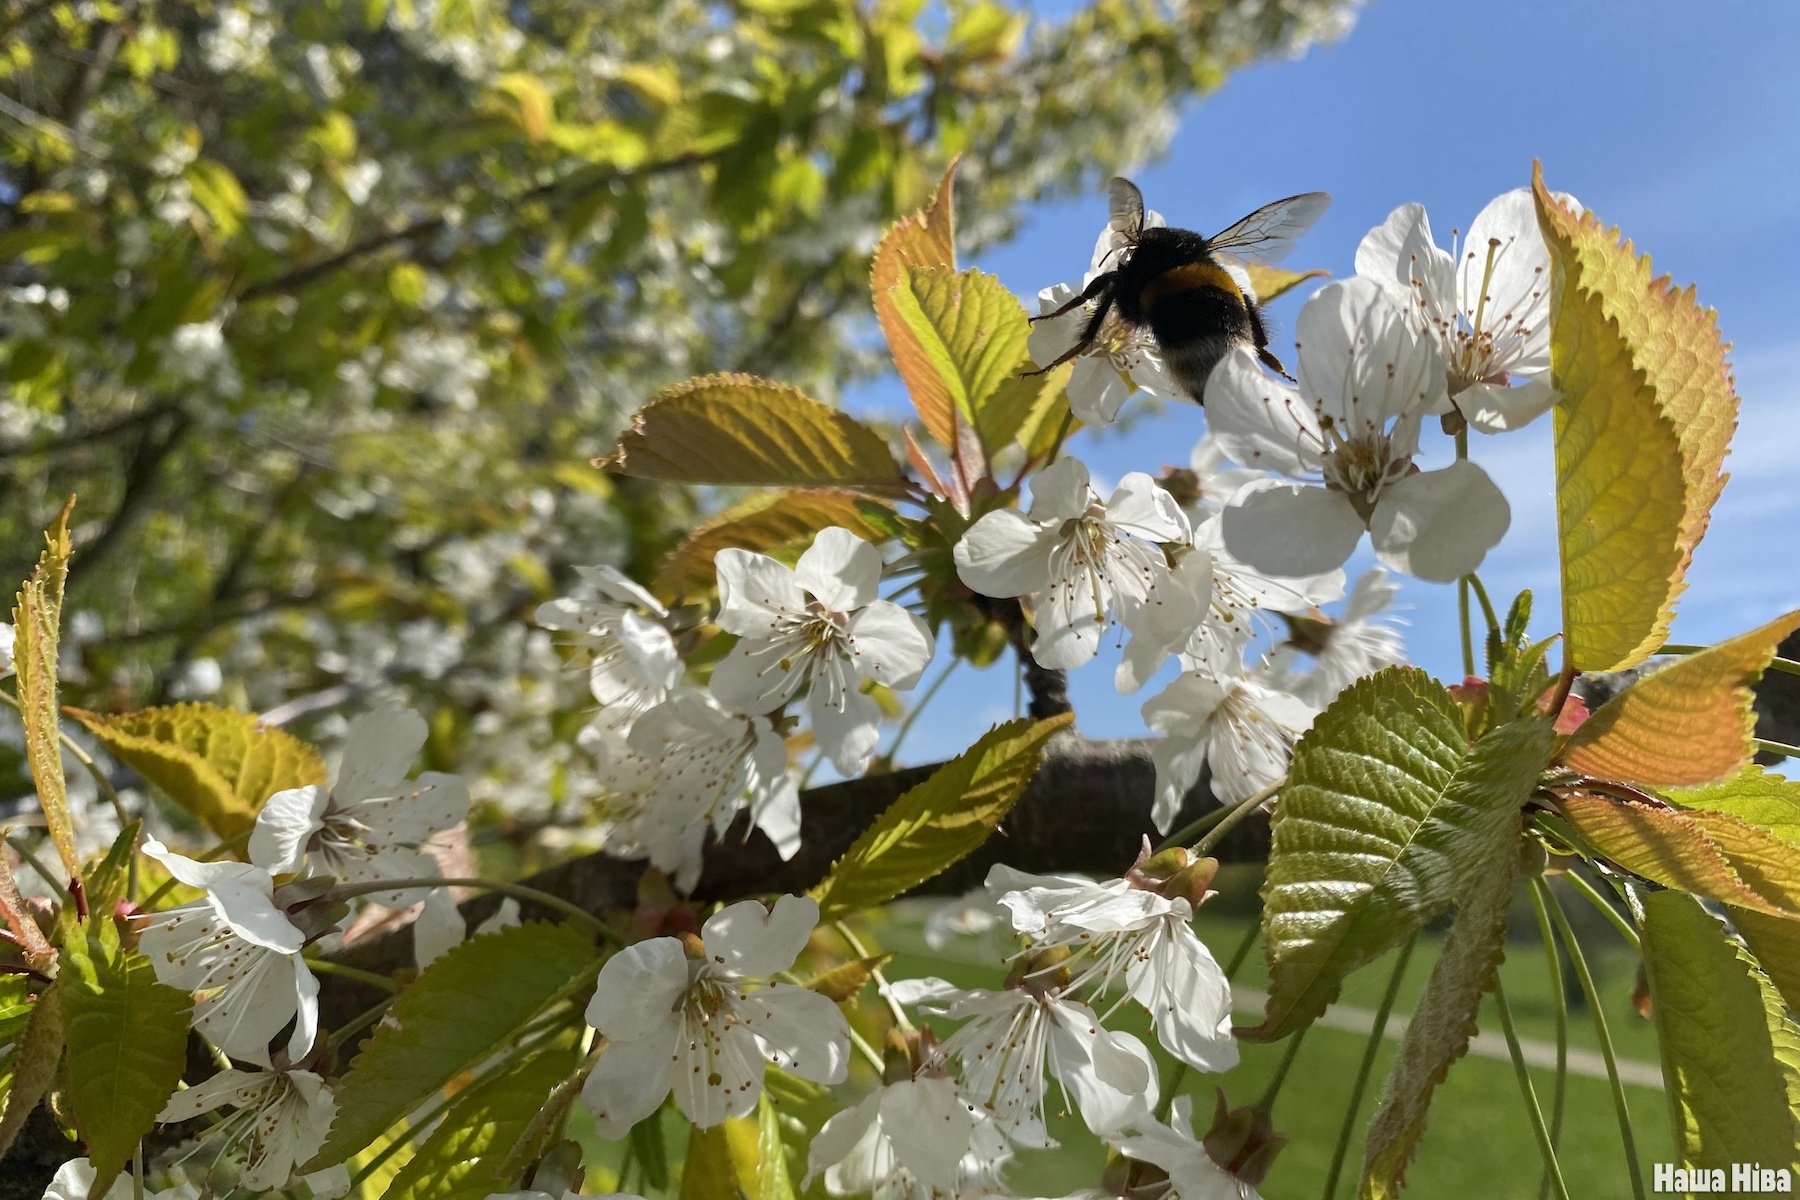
(1679,124)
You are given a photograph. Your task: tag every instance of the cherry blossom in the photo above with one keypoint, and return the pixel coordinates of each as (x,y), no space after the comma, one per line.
(1193,1175)
(1079,559)
(680,1014)
(1344,650)
(1487,303)
(373,822)
(1122,359)
(819,624)
(75,1181)
(912,1139)
(238,951)
(1366,380)
(282,1119)
(631,659)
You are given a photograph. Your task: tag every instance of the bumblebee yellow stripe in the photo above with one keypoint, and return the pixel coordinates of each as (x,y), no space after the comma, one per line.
(1187,277)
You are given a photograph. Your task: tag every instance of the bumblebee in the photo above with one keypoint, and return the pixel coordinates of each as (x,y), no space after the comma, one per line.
(1171,281)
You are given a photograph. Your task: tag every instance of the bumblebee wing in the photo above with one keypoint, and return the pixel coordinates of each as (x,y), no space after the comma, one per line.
(1127,206)
(1268,234)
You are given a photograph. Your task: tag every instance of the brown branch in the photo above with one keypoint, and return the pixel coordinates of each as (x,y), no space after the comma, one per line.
(1088,810)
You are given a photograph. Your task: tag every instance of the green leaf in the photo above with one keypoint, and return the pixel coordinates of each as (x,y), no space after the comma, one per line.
(1691,722)
(1621,496)
(465,1006)
(524,100)
(652,1150)
(34,1060)
(766,522)
(841,983)
(16,1003)
(1728,1097)
(217,763)
(127,1037)
(463,1157)
(743,430)
(106,880)
(37,620)
(968,337)
(772,1179)
(1766,800)
(219,194)
(1018,408)
(1776,943)
(923,240)
(938,822)
(1443,1021)
(708,1173)
(1386,816)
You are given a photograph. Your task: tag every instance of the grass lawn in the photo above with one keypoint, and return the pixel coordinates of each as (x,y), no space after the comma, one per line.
(1479,1143)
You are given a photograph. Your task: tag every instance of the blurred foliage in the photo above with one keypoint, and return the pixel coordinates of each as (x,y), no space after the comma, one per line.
(323,307)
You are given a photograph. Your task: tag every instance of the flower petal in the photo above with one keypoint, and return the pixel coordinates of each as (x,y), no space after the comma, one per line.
(1109,1075)
(890,645)
(747,940)
(1096,390)
(619,586)
(800,1031)
(1363,361)
(1497,408)
(287,820)
(1140,506)
(755,593)
(757,676)
(1401,258)
(632,1077)
(1440,524)
(847,734)
(840,1134)
(638,987)
(1060,491)
(720,1079)
(1189,999)
(1259,421)
(930,1126)
(378,752)
(1290,529)
(841,570)
(306,1016)
(437,929)
(1004,554)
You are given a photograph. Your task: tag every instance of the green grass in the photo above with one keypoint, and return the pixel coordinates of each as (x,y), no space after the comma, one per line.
(1478,1145)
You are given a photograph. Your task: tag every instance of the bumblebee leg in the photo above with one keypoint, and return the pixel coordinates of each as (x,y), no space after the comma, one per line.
(1088,337)
(1273,363)
(1259,334)
(1098,285)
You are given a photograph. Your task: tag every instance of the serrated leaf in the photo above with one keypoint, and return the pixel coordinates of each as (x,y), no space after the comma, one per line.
(940,821)
(1708,853)
(1443,1021)
(923,240)
(1674,341)
(1776,943)
(743,430)
(219,194)
(16,1002)
(1621,495)
(1386,815)
(841,983)
(766,522)
(37,621)
(127,1038)
(708,1173)
(1692,722)
(38,952)
(34,1062)
(1769,801)
(1271,282)
(465,1006)
(968,337)
(107,879)
(772,1179)
(217,763)
(1727,1094)
(463,1157)
(652,1150)
(1018,407)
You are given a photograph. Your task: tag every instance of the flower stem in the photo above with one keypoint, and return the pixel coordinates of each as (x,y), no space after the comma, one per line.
(1194,828)
(1552,1168)
(33,861)
(1554,961)
(881,984)
(1462,620)
(1166,1105)
(1242,953)
(1235,816)
(593,924)
(1586,979)
(325,966)
(1366,1067)
(1605,906)
(1487,605)
(1266,1105)
(1765,746)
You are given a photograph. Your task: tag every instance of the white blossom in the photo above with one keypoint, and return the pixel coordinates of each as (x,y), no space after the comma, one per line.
(1121,360)
(75,1181)
(687,767)
(913,1139)
(1367,379)
(1193,1175)
(282,1119)
(1220,714)
(690,1023)
(631,659)
(1012,1037)
(820,624)
(1121,933)
(1079,559)
(1344,650)
(7,635)
(371,824)
(1216,481)
(239,953)
(1487,303)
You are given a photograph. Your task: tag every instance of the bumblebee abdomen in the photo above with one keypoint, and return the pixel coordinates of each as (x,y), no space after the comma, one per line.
(1197,314)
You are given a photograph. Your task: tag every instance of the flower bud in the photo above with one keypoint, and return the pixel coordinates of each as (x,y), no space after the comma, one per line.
(1243,1141)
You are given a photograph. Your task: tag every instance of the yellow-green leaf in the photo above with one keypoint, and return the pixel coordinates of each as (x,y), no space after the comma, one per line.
(37,619)
(1766,800)
(1387,816)
(1442,1022)
(968,337)
(1776,943)
(34,1061)
(217,763)
(219,194)
(1017,408)
(1271,282)
(736,429)
(1674,341)
(1708,853)
(708,1173)
(127,1037)
(530,107)
(924,240)
(1691,722)
(841,983)
(940,821)
(1621,495)
(767,522)
(1721,1044)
